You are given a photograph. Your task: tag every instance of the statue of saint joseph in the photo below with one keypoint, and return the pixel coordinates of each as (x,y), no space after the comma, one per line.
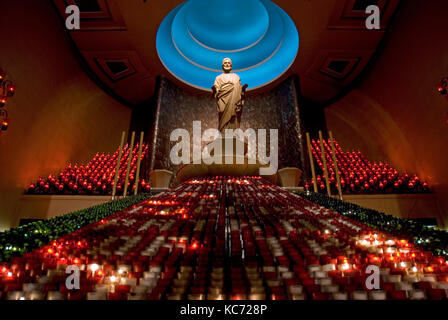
(229,94)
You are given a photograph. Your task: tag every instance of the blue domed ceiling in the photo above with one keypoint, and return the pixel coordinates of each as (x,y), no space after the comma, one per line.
(128,44)
(259,37)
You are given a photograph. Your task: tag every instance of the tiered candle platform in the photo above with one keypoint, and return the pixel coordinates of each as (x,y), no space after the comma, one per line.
(227,238)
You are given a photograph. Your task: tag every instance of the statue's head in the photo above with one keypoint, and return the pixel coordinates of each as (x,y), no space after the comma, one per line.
(227,65)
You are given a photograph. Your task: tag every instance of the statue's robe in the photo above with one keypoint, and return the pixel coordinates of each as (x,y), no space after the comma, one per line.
(228,93)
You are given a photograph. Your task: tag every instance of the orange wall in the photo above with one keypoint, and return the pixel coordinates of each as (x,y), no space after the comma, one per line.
(396,113)
(58,114)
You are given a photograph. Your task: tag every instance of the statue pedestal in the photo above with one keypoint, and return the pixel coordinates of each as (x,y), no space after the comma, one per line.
(227,148)
(224,160)
(160,178)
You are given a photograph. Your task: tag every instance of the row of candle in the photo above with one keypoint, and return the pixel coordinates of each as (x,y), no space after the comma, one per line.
(225,238)
(96,177)
(357,174)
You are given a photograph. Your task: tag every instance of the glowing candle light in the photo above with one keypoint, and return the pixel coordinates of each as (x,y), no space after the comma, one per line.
(194,246)
(94,267)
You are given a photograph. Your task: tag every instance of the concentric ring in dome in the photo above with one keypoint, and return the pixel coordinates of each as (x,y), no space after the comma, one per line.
(259,37)
(227,19)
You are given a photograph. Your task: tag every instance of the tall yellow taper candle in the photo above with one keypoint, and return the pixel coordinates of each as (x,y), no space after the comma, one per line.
(137,174)
(324,160)
(131,148)
(336,168)
(310,154)
(114,188)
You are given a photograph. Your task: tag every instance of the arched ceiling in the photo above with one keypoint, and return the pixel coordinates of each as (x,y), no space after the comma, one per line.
(118,41)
